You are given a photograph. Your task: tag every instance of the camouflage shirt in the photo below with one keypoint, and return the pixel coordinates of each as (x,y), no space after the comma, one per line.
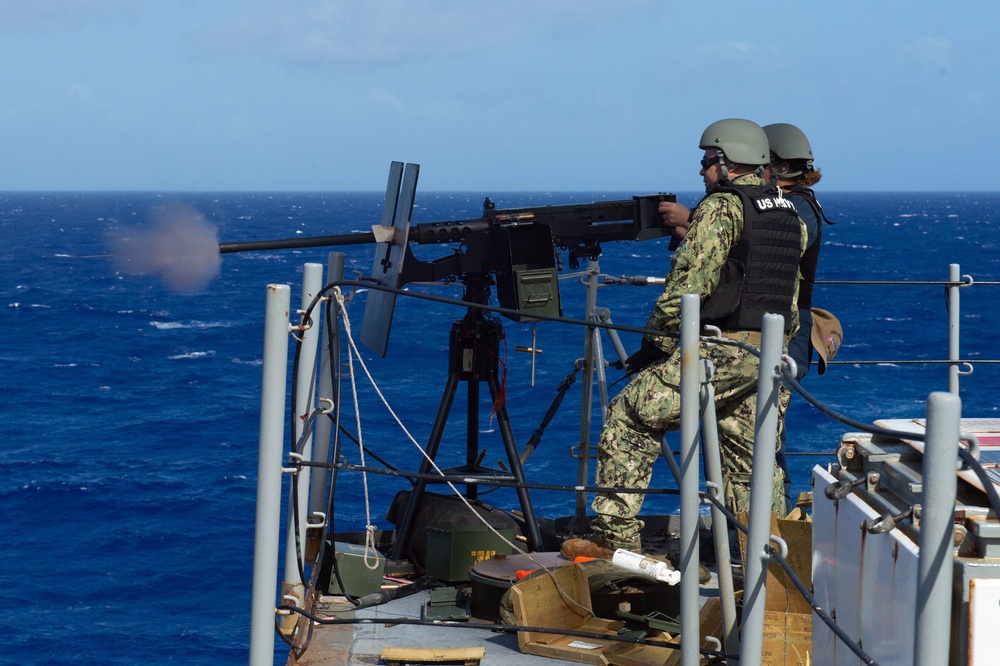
(696,266)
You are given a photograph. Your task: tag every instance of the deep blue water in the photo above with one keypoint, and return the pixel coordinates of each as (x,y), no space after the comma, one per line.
(130,413)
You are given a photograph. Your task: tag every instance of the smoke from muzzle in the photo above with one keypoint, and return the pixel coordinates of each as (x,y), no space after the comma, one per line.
(180,248)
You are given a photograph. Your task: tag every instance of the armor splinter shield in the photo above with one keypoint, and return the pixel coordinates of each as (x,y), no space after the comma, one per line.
(389,253)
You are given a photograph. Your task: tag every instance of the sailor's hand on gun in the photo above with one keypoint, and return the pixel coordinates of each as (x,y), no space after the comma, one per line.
(676,217)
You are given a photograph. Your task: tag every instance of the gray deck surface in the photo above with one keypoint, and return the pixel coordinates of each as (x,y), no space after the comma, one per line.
(363,643)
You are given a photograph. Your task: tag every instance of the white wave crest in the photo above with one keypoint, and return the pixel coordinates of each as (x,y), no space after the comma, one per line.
(181,325)
(190,355)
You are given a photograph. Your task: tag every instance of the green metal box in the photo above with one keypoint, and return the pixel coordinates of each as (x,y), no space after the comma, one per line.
(358,578)
(451,551)
(526,276)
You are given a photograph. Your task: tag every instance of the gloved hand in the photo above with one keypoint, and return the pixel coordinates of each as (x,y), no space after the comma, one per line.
(647,355)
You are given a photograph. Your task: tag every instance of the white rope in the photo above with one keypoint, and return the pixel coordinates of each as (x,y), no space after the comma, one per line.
(370,550)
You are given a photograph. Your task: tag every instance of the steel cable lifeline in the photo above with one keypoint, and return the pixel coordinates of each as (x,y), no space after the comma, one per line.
(456,478)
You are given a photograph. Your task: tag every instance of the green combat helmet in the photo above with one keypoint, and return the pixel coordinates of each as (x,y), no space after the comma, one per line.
(789,144)
(741,141)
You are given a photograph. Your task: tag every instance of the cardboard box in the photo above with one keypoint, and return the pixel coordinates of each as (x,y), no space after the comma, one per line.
(787,615)
(562,600)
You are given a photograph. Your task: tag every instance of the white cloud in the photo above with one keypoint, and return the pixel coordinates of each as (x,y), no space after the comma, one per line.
(738,50)
(331,32)
(83,94)
(930,55)
(386,98)
(54,15)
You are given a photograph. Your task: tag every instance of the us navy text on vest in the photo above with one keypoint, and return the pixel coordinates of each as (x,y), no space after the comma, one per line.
(763,204)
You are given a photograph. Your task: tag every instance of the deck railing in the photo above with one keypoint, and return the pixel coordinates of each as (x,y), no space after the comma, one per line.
(314,396)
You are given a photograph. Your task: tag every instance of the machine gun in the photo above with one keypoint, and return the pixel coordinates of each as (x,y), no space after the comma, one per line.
(578,228)
(516,245)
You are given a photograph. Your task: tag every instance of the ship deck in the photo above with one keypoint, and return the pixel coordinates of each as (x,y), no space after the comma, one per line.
(377,628)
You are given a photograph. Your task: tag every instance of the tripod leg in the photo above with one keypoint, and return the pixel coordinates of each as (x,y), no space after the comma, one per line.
(507,433)
(416,495)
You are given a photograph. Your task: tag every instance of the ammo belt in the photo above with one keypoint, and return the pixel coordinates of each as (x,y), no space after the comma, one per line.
(752,337)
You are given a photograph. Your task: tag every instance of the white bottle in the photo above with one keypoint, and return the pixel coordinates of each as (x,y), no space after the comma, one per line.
(646,566)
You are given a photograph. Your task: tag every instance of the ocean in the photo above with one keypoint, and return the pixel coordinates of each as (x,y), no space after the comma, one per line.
(130,399)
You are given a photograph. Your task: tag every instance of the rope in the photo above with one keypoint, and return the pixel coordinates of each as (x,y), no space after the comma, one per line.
(370,550)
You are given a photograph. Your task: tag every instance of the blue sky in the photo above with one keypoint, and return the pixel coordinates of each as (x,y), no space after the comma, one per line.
(515,95)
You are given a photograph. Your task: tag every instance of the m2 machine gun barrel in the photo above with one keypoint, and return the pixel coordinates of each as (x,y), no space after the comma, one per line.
(578,227)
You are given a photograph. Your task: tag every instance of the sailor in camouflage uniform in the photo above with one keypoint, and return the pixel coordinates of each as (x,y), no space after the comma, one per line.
(735,152)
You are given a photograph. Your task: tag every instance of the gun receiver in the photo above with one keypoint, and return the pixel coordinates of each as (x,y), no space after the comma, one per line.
(571,224)
(580,228)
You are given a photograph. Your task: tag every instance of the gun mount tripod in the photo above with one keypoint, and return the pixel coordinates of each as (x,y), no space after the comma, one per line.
(473,359)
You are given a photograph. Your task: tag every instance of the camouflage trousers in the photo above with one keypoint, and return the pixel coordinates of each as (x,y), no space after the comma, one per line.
(646,409)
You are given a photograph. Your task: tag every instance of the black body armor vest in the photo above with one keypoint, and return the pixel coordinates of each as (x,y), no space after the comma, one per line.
(811,257)
(759,276)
